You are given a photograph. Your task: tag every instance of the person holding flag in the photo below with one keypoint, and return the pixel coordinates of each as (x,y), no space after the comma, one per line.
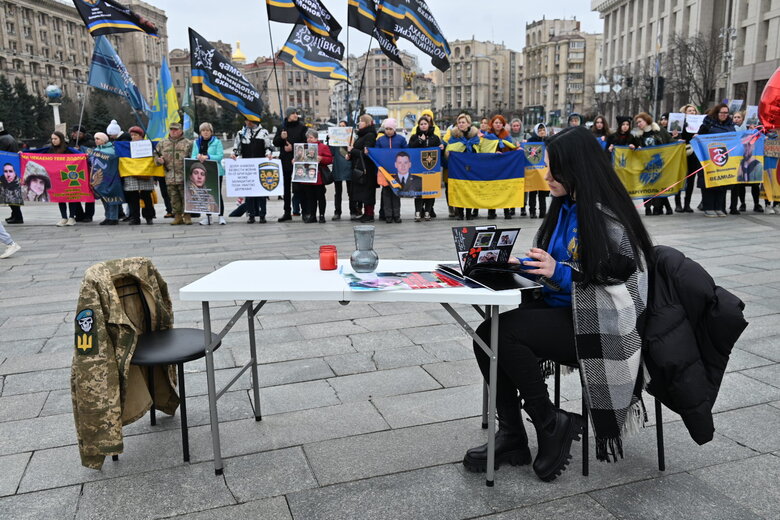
(497,140)
(463,138)
(138,188)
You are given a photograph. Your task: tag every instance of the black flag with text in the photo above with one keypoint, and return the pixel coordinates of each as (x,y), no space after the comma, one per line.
(412,20)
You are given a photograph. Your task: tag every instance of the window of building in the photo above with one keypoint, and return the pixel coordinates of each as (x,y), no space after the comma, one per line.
(10,28)
(58,39)
(577,44)
(49,70)
(42,18)
(457,52)
(468,51)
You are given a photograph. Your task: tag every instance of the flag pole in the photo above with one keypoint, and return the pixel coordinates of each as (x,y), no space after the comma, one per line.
(349,84)
(276,75)
(362,79)
(81,113)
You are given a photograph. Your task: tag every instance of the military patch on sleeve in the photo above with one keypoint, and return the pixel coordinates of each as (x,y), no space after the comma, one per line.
(86,339)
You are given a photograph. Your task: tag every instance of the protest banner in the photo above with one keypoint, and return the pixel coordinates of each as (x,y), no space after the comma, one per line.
(536,168)
(55,177)
(11,180)
(339,136)
(486,180)
(201,186)
(648,171)
(257,177)
(105,180)
(771,180)
(411,172)
(730,157)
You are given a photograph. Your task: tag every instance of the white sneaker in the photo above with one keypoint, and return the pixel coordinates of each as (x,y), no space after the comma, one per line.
(205,222)
(10,249)
(222,221)
(71,222)
(62,223)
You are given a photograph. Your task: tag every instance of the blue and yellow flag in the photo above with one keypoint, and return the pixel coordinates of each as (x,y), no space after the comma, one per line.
(142,166)
(308,12)
(108,17)
(411,19)
(166,106)
(486,180)
(731,157)
(646,172)
(771,181)
(410,172)
(535,167)
(302,50)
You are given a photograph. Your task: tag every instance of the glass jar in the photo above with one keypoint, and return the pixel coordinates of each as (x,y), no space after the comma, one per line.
(364,259)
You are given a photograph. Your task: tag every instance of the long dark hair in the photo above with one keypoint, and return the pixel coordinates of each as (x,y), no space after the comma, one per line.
(63,146)
(581,166)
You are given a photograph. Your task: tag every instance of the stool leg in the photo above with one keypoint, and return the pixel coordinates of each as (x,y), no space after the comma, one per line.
(557,385)
(115,457)
(185,436)
(585,453)
(150,377)
(659,432)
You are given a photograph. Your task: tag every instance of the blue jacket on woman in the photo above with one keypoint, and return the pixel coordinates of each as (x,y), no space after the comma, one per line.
(713,126)
(215,151)
(397,141)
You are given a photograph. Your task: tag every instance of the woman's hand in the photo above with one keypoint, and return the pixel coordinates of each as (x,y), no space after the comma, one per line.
(544,265)
(202,157)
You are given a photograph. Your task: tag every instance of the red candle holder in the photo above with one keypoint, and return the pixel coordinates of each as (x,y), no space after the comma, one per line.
(329,259)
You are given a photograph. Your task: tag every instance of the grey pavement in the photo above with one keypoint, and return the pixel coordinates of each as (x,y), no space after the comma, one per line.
(367,409)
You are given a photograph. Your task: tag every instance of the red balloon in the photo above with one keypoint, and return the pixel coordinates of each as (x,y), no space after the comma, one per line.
(769,106)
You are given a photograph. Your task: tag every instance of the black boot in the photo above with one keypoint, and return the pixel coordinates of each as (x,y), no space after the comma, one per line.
(511,442)
(555,431)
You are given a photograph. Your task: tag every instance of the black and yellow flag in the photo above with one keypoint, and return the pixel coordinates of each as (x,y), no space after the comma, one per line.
(303,49)
(412,20)
(362,16)
(109,17)
(308,12)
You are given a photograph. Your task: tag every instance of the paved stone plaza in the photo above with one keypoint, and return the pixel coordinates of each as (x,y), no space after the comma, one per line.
(367,409)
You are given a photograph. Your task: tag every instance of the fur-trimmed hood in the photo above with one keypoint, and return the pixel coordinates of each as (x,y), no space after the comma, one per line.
(653,127)
(456,133)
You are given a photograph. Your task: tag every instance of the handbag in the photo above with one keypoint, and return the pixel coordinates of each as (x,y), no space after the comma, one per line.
(359,175)
(327,176)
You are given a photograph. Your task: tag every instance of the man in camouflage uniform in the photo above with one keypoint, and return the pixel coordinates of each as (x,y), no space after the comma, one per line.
(171,153)
(107,391)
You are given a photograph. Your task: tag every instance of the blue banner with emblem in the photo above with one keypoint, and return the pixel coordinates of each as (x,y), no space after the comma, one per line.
(410,172)
(104,178)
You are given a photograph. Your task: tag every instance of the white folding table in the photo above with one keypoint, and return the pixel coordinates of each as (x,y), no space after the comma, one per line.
(252,281)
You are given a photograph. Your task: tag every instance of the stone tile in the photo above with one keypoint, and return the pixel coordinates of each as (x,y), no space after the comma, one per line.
(737,480)
(420,335)
(738,390)
(268,474)
(58,467)
(53,503)
(32,363)
(757,427)
(37,381)
(334,313)
(431,493)
(287,429)
(300,349)
(401,357)
(676,496)
(155,494)
(273,337)
(409,319)
(373,341)
(13,468)
(581,507)
(267,509)
(40,331)
(434,406)
(332,328)
(297,396)
(383,453)
(354,363)
(456,373)
(36,434)
(360,387)
(453,350)
(769,374)
(27,406)
(223,358)
(741,360)
(58,401)
(765,347)
(21,347)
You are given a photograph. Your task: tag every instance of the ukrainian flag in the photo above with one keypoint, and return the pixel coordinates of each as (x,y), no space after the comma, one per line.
(486,180)
(166,106)
(730,157)
(143,166)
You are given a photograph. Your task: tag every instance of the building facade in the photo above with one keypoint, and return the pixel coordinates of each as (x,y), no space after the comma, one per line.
(560,64)
(484,78)
(45,42)
(756,56)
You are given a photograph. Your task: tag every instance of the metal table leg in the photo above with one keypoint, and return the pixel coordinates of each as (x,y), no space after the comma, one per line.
(491,454)
(218,466)
(253,352)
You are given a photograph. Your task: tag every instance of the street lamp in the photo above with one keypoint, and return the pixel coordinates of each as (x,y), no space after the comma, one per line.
(54,95)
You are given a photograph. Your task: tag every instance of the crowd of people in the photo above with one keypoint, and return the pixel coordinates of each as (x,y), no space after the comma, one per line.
(308,200)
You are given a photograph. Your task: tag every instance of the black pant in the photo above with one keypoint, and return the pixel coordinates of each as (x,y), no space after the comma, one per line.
(312,196)
(16,212)
(164,192)
(134,198)
(71,209)
(287,189)
(542,195)
(690,182)
(738,194)
(713,199)
(255,206)
(532,332)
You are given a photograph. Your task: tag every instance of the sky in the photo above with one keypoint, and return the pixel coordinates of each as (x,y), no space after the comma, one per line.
(246,21)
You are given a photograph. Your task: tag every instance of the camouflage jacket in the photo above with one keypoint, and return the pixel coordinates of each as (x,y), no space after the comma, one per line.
(107,391)
(173,154)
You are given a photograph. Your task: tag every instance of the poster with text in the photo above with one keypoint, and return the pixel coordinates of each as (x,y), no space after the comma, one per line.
(201,186)
(258,177)
(55,178)
(339,136)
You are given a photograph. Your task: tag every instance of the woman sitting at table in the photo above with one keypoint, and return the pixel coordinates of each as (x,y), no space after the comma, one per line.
(590,256)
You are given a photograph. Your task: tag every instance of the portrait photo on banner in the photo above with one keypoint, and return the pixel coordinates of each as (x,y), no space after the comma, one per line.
(201,187)
(55,178)
(255,177)
(305,172)
(410,172)
(11,181)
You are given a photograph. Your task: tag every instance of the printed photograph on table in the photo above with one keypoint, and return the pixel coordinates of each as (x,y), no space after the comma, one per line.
(488,256)
(11,180)
(507,238)
(305,172)
(201,187)
(487,247)
(483,239)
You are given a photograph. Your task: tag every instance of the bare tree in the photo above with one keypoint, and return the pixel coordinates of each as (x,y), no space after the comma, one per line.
(693,66)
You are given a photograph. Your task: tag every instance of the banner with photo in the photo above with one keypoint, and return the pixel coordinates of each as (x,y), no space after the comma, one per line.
(731,157)
(535,168)
(305,164)
(486,180)
(11,180)
(648,171)
(410,172)
(53,177)
(256,177)
(201,186)
(104,177)
(771,180)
